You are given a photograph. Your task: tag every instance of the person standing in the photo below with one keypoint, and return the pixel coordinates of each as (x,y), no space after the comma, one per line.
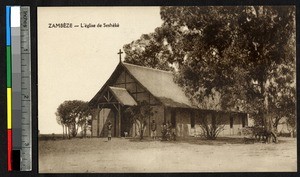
(109,126)
(169,126)
(153,129)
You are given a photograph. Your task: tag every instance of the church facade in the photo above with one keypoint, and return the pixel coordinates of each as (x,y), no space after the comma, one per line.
(130,84)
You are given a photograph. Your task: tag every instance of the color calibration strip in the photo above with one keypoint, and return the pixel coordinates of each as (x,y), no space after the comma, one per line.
(9,90)
(26,121)
(18,88)
(16,85)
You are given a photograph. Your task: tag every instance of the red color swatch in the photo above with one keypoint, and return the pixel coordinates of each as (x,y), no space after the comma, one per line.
(9,150)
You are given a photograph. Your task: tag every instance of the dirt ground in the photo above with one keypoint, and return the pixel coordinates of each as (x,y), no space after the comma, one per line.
(96,155)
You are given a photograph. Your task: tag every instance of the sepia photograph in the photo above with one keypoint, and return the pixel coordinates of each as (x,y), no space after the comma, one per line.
(168,89)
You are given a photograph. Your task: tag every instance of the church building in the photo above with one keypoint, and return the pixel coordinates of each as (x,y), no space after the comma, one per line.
(130,84)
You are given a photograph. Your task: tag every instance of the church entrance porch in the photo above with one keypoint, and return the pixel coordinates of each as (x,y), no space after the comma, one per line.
(110,108)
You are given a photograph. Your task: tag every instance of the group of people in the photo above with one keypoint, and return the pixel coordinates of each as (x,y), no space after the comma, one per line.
(168,132)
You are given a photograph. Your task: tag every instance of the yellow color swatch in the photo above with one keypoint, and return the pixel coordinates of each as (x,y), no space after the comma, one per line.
(9,110)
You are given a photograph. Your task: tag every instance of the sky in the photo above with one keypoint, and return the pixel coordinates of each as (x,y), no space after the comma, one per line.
(74,63)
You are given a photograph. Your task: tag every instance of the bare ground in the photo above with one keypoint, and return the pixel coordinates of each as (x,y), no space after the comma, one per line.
(96,155)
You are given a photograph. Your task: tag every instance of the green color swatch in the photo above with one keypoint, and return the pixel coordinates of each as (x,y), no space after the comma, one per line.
(8,66)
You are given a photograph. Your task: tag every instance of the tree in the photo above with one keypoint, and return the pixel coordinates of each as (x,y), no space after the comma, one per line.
(72,115)
(59,120)
(267,33)
(234,55)
(212,126)
(148,51)
(83,116)
(139,114)
(284,101)
(63,116)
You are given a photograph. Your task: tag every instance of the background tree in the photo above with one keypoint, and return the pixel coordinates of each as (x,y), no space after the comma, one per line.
(62,114)
(73,114)
(83,112)
(59,120)
(148,51)
(139,115)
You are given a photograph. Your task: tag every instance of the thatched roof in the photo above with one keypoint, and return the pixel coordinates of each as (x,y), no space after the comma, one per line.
(123,96)
(158,82)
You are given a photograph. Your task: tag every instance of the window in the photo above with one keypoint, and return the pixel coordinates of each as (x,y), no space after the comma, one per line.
(231,122)
(192,120)
(173,118)
(243,121)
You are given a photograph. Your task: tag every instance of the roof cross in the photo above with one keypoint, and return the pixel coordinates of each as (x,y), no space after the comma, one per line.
(120,53)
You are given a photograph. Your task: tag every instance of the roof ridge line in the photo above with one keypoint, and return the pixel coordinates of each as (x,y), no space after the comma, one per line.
(169,72)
